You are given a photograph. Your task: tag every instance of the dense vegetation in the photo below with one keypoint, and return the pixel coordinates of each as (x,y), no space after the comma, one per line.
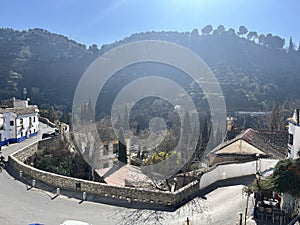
(46,64)
(58,159)
(286,177)
(253,69)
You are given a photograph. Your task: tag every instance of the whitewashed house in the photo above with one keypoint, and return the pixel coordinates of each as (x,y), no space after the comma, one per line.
(18,122)
(107,155)
(294,135)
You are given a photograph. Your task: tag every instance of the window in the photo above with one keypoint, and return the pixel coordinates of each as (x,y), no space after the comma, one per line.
(2,123)
(21,121)
(12,123)
(291,139)
(30,122)
(115,148)
(105,150)
(34,119)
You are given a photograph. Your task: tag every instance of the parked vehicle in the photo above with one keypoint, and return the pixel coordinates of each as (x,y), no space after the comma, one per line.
(74,222)
(47,135)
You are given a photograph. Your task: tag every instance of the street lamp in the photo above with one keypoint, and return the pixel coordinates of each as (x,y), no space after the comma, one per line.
(257,174)
(256,192)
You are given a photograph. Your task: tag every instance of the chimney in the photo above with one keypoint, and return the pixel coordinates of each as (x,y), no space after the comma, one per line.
(229,120)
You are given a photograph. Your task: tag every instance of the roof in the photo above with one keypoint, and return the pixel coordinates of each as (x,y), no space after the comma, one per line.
(265,142)
(21,110)
(126,175)
(240,147)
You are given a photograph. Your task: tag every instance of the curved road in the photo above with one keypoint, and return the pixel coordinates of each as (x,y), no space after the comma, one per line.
(20,206)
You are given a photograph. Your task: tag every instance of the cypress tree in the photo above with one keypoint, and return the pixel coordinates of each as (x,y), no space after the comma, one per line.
(122,148)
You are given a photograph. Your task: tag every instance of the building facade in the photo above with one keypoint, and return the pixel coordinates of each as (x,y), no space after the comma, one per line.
(18,122)
(294,135)
(107,154)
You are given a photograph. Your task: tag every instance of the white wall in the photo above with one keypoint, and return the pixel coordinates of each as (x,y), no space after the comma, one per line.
(10,131)
(20,103)
(15,131)
(295,147)
(4,133)
(29,125)
(223,172)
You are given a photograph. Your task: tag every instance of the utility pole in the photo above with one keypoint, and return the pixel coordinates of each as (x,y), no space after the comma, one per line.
(241,219)
(246,210)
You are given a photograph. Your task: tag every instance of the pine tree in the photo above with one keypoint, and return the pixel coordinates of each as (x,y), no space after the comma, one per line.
(291,45)
(52,116)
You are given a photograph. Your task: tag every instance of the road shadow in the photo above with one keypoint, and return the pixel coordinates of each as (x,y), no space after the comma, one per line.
(245,180)
(121,202)
(264,222)
(54,197)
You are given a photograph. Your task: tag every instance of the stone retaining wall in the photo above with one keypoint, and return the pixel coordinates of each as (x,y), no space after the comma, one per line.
(158,197)
(68,183)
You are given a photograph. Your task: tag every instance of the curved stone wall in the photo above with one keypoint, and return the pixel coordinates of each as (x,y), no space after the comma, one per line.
(162,198)
(68,183)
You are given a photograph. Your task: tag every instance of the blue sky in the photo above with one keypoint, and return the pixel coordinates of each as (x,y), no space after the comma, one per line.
(106,21)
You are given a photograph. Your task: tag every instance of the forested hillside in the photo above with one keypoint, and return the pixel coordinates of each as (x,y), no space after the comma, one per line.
(46,64)
(253,69)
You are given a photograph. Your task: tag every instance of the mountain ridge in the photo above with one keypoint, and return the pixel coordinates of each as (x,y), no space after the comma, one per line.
(252,71)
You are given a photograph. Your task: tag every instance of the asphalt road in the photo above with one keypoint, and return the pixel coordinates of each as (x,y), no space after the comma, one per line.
(21,206)
(8,150)
(218,204)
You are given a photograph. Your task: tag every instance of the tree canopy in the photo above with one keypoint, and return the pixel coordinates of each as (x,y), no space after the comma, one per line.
(286,176)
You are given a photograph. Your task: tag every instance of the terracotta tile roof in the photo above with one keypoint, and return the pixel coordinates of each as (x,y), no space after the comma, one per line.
(126,175)
(272,143)
(240,147)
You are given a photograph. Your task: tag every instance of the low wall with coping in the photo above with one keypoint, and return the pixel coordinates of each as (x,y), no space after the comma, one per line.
(158,197)
(68,183)
(223,172)
(47,121)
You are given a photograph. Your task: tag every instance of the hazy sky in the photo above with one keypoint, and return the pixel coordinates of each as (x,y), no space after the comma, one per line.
(106,21)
